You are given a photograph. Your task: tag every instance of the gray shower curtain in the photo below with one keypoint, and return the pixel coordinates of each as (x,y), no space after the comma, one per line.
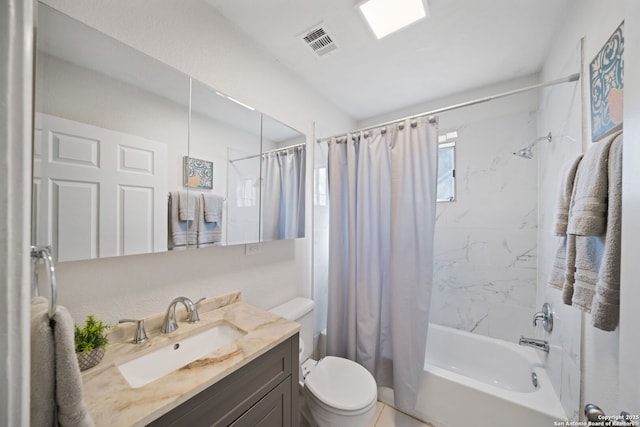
(382,196)
(283,194)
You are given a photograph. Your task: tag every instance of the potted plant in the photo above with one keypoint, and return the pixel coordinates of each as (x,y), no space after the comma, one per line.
(90,342)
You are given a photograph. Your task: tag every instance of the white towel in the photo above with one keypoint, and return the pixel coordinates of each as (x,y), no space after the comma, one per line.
(56,384)
(212,207)
(209,232)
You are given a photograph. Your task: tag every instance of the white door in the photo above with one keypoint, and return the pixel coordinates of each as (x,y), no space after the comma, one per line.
(97,192)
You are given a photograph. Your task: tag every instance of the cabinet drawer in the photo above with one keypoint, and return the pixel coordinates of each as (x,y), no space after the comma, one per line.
(229,398)
(273,410)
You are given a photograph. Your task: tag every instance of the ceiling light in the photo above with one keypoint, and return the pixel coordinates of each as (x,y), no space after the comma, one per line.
(235,100)
(387,16)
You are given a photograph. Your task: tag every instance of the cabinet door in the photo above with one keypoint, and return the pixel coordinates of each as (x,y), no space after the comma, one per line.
(232,397)
(273,410)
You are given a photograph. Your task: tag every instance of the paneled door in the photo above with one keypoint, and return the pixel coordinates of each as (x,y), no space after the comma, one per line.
(97,192)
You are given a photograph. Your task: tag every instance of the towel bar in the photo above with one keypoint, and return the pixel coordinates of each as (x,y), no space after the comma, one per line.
(44,253)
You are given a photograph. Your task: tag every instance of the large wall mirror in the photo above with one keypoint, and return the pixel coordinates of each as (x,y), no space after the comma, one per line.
(132,156)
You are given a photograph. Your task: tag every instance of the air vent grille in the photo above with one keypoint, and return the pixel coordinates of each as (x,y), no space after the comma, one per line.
(319,40)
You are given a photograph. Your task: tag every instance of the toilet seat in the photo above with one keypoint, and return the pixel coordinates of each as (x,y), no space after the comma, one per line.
(342,385)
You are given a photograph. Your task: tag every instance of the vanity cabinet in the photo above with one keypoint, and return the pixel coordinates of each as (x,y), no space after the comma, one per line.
(264,393)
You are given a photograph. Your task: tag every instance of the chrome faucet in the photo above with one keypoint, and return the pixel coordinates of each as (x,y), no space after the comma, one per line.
(537,344)
(170,324)
(141,335)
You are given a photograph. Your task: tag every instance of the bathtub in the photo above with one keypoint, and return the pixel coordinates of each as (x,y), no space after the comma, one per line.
(474,380)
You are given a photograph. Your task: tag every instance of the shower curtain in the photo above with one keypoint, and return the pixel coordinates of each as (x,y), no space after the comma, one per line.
(283,194)
(382,196)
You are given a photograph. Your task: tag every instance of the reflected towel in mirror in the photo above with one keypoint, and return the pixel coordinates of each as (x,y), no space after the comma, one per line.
(209,232)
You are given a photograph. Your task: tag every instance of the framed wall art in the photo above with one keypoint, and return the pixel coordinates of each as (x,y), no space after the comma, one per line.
(606,74)
(198,173)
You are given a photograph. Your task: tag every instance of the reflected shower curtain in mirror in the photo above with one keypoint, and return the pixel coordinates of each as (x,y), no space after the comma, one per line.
(382,197)
(283,193)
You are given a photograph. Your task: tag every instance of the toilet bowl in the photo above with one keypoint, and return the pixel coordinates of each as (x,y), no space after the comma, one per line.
(338,392)
(335,392)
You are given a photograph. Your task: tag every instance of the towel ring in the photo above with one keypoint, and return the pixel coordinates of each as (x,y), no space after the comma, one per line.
(44,253)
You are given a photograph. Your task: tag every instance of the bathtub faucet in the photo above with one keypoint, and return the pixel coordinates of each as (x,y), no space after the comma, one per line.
(537,344)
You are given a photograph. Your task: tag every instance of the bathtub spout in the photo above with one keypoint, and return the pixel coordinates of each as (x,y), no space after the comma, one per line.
(537,344)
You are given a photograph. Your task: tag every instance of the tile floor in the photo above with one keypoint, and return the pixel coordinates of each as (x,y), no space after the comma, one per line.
(386,416)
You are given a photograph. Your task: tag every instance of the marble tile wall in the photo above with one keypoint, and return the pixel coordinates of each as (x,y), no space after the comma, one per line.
(560,114)
(486,240)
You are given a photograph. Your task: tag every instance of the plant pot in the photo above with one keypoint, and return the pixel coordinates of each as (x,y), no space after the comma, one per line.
(89,359)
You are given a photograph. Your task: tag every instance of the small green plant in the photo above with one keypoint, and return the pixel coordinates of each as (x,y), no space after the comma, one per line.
(92,336)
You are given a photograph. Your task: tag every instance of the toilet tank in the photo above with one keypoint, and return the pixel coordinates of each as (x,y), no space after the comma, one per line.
(299,310)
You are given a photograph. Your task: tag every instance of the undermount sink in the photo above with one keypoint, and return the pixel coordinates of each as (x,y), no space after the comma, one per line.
(152,366)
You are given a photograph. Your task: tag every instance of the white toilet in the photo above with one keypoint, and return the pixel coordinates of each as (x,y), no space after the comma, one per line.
(336,392)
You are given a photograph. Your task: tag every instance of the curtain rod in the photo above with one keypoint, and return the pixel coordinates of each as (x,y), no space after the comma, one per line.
(302,144)
(570,78)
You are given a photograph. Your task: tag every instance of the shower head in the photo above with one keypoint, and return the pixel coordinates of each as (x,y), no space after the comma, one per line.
(527,152)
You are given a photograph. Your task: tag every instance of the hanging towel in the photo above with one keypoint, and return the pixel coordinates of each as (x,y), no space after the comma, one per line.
(72,411)
(42,365)
(212,207)
(209,232)
(597,263)
(589,251)
(605,311)
(177,229)
(561,276)
(564,198)
(588,210)
(570,269)
(187,205)
(559,267)
(56,383)
(193,225)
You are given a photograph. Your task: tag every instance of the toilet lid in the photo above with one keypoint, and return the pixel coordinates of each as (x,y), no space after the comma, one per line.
(341,384)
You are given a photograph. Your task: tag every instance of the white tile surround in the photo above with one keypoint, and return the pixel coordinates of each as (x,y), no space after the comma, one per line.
(485,241)
(563,360)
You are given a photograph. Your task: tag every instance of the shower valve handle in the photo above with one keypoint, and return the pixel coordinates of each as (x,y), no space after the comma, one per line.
(546,316)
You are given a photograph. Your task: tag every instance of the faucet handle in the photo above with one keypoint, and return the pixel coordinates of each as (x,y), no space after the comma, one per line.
(193,315)
(546,316)
(141,334)
(538,316)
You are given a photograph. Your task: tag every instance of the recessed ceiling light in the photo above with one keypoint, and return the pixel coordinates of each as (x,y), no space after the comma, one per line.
(387,16)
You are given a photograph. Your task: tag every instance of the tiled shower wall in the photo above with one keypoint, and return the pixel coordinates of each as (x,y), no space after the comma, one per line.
(485,241)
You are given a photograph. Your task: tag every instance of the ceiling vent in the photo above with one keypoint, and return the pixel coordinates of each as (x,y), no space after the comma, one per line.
(318,40)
